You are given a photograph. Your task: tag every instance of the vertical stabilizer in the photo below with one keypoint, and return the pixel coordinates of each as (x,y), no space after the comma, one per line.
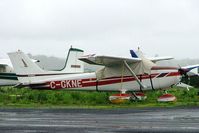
(136,54)
(23,65)
(73,64)
(133,54)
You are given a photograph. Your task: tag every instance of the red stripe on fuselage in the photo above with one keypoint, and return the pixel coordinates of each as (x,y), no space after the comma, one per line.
(81,83)
(164,68)
(119,80)
(173,74)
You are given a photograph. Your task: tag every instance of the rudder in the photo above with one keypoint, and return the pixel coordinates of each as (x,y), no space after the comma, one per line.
(73,64)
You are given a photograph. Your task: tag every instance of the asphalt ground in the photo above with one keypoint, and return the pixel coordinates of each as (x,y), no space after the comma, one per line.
(178,120)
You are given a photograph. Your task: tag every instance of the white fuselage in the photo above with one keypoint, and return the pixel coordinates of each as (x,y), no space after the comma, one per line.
(8,82)
(88,81)
(7,75)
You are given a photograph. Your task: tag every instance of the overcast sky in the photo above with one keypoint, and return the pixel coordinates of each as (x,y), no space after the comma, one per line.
(105,27)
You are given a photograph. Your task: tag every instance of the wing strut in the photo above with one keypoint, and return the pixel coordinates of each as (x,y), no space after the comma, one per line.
(134,75)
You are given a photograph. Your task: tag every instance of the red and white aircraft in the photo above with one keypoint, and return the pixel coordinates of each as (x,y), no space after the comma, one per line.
(118,74)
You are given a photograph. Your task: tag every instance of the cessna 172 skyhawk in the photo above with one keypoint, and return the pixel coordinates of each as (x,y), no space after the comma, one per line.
(119,74)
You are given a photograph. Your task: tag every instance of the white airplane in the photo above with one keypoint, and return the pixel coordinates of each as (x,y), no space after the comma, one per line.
(8,76)
(119,74)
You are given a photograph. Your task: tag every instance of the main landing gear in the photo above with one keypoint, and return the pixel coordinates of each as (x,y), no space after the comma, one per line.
(138,96)
(124,97)
(120,98)
(167,97)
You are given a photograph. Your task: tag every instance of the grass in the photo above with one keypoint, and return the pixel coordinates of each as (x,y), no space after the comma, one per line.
(27,98)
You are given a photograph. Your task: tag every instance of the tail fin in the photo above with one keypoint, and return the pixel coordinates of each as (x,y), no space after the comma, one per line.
(133,54)
(27,71)
(23,65)
(136,54)
(73,64)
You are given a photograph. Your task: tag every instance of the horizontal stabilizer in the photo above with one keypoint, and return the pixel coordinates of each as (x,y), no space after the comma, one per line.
(155,59)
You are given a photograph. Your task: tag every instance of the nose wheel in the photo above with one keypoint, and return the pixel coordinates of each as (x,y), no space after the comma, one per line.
(167,97)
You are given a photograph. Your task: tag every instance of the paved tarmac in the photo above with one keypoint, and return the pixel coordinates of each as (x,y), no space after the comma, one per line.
(143,120)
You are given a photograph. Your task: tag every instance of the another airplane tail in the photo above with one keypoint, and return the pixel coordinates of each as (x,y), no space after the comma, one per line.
(73,64)
(23,65)
(133,54)
(29,72)
(136,54)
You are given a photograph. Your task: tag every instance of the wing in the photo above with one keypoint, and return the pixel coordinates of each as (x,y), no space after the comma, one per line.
(119,66)
(192,70)
(108,60)
(114,65)
(191,67)
(155,59)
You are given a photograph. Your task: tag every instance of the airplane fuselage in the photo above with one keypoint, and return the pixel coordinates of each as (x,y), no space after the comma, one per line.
(8,79)
(88,81)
